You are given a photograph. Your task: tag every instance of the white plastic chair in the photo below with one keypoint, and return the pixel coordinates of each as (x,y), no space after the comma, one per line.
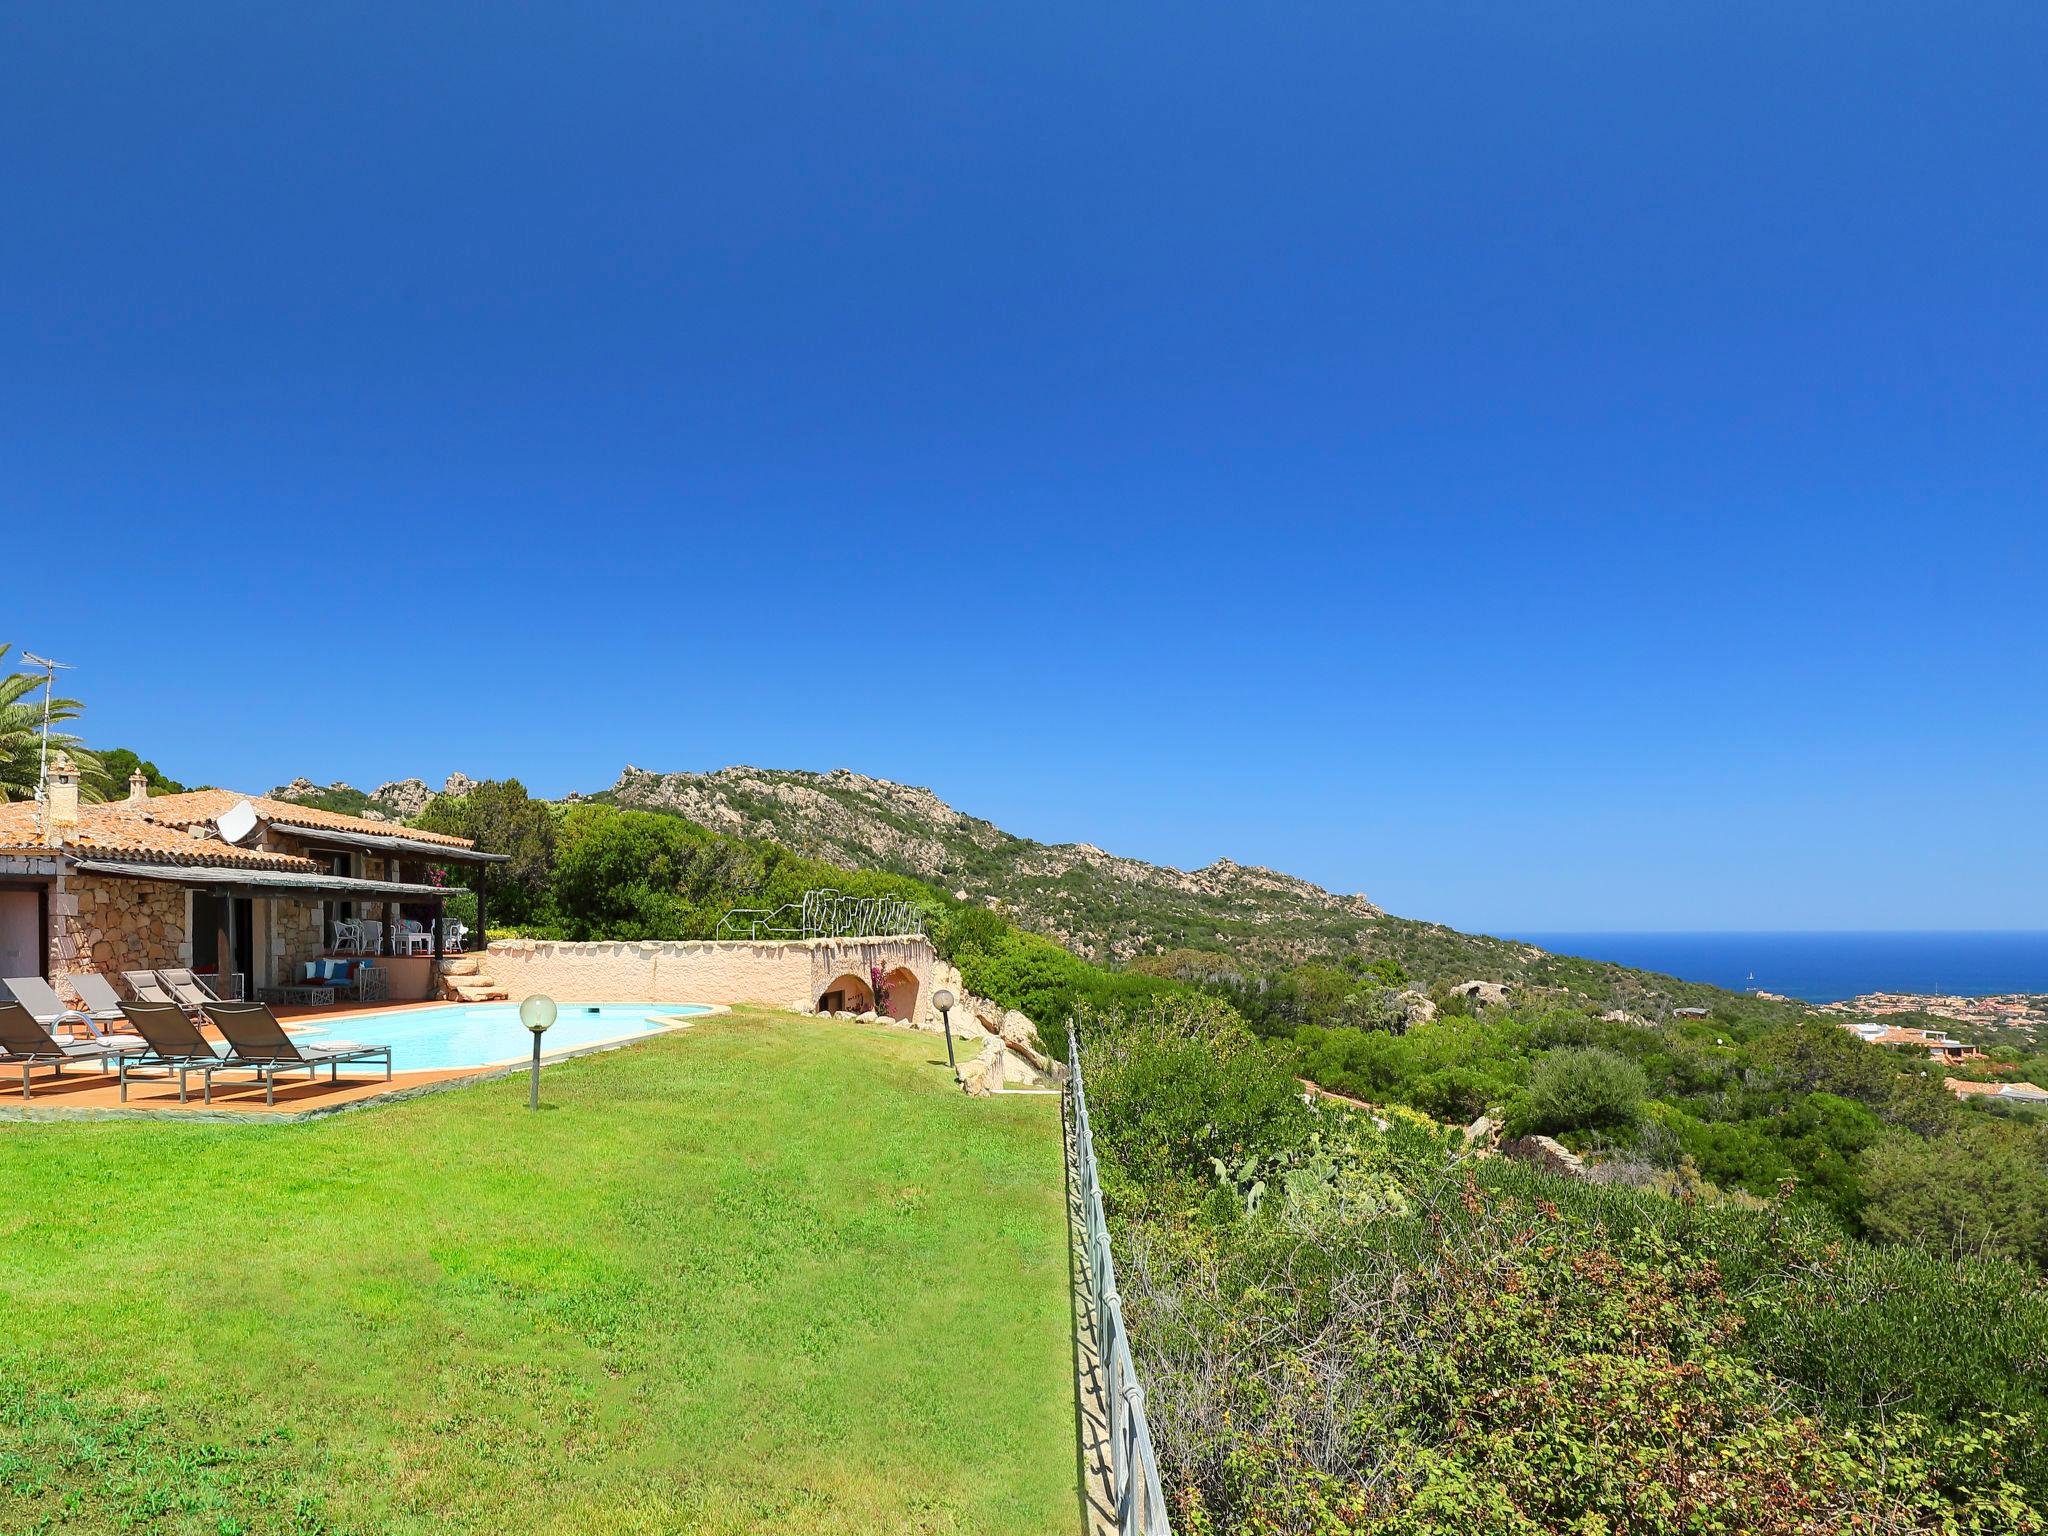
(372,933)
(348,936)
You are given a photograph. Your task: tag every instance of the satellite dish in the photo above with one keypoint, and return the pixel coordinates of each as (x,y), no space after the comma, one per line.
(238,823)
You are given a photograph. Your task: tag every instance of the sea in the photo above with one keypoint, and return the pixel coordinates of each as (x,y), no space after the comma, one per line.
(1826,967)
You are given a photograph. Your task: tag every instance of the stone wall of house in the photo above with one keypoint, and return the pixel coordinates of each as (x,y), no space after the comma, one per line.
(786,973)
(110,926)
(295,937)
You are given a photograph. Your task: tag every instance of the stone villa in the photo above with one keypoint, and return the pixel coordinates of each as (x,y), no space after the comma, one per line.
(239,887)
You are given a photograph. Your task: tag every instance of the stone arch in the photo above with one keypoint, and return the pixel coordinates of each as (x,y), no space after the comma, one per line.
(846,993)
(900,987)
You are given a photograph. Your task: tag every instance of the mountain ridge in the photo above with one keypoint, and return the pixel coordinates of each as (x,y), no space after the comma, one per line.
(1102,905)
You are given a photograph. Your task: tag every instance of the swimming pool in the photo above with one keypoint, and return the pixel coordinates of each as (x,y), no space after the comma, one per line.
(483,1034)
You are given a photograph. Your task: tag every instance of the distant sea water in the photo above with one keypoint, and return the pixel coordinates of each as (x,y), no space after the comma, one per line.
(1825,967)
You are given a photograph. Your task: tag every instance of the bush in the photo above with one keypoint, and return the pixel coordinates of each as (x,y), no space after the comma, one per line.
(1485,1348)
(1050,984)
(1583,1088)
(1980,1193)
(1176,1084)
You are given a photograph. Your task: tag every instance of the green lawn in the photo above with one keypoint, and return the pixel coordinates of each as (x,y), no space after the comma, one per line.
(770,1274)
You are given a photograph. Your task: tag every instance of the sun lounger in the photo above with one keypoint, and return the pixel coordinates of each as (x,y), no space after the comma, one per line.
(27,1044)
(102,1008)
(42,1002)
(101,1000)
(175,1045)
(257,1039)
(190,990)
(149,987)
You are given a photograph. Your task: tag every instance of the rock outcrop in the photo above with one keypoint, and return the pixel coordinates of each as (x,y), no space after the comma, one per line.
(405,797)
(1488,994)
(1550,1156)
(1416,1008)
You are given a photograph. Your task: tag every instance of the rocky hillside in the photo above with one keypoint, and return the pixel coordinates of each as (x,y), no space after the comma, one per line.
(1107,908)
(1096,903)
(398,800)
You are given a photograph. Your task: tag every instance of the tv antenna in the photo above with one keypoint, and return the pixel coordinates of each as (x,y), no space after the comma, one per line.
(50,671)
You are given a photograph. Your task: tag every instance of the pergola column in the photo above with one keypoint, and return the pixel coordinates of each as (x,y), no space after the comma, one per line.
(224,943)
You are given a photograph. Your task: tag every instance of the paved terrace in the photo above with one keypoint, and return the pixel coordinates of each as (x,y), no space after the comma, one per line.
(82,1091)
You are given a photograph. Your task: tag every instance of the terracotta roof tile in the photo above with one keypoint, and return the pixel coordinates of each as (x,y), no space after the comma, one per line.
(1962,1087)
(121,829)
(199,805)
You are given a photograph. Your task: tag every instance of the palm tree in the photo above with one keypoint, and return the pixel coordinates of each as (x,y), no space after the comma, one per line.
(21,731)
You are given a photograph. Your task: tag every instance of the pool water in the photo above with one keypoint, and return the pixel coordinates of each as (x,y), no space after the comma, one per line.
(483,1034)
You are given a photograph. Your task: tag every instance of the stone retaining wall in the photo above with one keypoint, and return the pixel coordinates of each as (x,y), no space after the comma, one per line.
(778,973)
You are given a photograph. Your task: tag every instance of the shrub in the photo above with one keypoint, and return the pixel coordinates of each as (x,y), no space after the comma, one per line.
(1050,984)
(1178,1083)
(1474,1356)
(1580,1088)
(1981,1192)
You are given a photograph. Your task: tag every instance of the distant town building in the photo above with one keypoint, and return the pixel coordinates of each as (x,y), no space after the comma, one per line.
(1939,1047)
(2023,1093)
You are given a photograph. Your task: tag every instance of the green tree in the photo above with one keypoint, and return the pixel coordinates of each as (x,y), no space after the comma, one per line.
(500,817)
(1980,1192)
(119,763)
(21,738)
(643,875)
(1386,970)
(1818,1057)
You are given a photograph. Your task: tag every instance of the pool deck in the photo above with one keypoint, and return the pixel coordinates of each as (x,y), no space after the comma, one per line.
(82,1094)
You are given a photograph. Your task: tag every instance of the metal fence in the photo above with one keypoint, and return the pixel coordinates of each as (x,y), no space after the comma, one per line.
(825,914)
(1133,1464)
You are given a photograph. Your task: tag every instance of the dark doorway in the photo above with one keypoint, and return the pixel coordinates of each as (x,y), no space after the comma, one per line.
(24,931)
(206,926)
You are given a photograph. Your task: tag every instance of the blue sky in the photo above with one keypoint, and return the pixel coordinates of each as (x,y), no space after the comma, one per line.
(1548,466)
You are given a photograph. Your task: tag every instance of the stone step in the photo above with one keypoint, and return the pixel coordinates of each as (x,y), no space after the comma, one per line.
(482,991)
(461,965)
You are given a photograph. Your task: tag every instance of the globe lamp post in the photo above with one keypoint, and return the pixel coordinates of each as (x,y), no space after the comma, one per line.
(943,1001)
(536,1013)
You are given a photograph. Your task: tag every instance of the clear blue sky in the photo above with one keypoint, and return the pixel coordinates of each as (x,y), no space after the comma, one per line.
(1547,466)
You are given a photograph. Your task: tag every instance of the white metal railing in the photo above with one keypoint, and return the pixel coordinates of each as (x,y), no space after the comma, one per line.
(826,914)
(1133,1464)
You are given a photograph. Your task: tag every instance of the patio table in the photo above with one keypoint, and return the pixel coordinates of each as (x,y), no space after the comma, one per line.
(311,996)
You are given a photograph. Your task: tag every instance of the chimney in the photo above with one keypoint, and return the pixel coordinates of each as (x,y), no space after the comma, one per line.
(60,814)
(138,787)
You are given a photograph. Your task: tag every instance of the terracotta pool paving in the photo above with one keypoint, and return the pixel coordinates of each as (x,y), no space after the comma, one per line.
(82,1093)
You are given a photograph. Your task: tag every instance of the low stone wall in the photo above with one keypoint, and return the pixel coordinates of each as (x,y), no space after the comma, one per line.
(777,973)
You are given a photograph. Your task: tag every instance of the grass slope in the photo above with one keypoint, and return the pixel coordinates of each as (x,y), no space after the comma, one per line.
(767,1275)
